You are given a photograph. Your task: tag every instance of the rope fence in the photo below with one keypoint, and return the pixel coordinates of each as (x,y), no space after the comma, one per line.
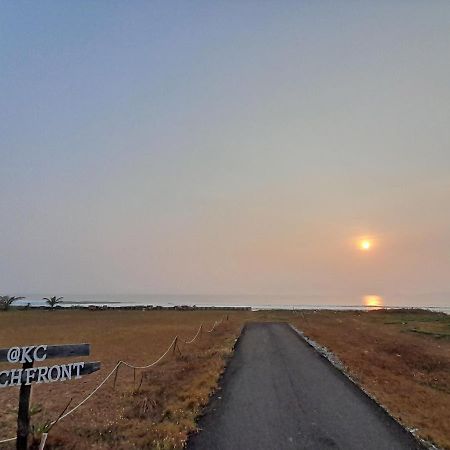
(173,346)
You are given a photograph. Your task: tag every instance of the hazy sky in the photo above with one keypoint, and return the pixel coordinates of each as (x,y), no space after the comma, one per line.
(225,147)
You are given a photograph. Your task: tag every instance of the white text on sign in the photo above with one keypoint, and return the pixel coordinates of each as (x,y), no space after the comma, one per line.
(16,377)
(27,354)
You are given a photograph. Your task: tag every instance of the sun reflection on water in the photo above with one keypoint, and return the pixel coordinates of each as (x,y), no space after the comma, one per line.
(373,301)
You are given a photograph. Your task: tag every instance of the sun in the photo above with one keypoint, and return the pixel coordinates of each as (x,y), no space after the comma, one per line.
(365,244)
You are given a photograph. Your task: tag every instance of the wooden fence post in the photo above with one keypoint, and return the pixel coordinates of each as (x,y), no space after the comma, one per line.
(115,376)
(175,343)
(23,417)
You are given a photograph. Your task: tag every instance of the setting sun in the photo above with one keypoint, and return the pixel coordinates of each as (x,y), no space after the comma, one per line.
(373,301)
(365,244)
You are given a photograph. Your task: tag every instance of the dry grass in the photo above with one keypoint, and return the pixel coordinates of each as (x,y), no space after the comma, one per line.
(158,415)
(401,357)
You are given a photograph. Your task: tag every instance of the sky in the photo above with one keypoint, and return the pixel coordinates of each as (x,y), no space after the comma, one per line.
(237,147)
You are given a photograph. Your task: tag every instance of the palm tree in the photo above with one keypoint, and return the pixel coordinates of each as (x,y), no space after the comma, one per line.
(7,300)
(53,301)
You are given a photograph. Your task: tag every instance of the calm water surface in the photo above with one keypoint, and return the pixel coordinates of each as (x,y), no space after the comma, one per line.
(440,302)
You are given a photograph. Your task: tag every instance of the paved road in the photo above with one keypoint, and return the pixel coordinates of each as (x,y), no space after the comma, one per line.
(278,394)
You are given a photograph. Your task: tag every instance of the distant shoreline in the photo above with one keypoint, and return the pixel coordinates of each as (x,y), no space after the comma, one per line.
(121,306)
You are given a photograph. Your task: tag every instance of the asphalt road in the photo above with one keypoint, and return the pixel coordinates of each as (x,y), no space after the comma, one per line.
(278,393)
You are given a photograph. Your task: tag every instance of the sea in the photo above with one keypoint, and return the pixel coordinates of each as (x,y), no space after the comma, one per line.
(436,302)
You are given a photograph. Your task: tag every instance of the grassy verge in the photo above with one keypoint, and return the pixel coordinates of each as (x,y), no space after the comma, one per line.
(154,408)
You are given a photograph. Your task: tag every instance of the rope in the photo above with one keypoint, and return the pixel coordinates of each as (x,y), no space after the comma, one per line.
(195,337)
(116,367)
(216,324)
(153,363)
(89,396)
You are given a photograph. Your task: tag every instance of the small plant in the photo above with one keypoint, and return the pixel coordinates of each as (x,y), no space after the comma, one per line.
(39,428)
(53,301)
(7,300)
(35,409)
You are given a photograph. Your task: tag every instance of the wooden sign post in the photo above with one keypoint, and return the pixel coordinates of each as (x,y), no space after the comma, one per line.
(29,374)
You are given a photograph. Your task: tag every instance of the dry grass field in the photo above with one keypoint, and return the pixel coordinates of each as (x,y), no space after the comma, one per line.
(401,357)
(160,413)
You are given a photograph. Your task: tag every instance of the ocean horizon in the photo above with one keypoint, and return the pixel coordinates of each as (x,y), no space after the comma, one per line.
(438,302)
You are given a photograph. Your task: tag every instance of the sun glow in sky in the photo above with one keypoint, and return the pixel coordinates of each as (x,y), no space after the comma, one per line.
(365,244)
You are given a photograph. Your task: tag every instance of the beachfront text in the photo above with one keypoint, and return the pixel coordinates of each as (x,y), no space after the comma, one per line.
(63,372)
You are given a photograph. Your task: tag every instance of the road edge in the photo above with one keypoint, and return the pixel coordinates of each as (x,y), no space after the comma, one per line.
(339,365)
(216,391)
